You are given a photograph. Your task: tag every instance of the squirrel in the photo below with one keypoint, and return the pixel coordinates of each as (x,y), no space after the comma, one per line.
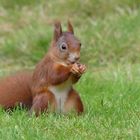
(50,86)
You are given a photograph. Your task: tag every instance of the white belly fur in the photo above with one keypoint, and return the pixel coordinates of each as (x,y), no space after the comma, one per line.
(61,92)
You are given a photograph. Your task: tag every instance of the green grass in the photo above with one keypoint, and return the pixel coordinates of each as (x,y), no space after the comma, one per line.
(110,36)
(112,111)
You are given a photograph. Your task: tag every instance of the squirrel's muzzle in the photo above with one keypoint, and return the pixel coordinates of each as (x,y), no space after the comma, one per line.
(73,57)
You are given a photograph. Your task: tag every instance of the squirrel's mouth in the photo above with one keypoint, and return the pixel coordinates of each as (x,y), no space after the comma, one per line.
(69,62)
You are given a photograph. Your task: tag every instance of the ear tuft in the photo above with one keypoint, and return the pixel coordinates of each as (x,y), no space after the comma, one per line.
(57,30)
(70,28)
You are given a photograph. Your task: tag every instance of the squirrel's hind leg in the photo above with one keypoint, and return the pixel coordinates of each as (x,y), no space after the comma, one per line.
(43,102)
(74,103)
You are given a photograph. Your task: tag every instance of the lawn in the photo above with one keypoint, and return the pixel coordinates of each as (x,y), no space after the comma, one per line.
(110,89)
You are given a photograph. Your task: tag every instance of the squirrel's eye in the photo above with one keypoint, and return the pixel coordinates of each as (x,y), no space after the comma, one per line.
(63,46)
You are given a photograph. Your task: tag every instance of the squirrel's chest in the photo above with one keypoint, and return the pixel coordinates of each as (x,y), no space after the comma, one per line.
(61,93)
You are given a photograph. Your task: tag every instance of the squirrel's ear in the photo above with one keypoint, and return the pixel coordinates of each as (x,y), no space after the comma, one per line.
(57,30)
(70,28)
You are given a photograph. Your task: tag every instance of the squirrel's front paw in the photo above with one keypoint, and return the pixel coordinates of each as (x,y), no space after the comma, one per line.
(82,68)
(78,69)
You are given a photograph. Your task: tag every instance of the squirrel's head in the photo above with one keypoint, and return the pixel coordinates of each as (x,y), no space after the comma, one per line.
(65,46)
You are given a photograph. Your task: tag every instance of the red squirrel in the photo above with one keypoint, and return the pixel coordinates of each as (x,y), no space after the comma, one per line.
(50,86)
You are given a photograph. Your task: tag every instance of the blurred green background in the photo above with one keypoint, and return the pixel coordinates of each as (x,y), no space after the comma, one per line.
(110,89)
(108,29)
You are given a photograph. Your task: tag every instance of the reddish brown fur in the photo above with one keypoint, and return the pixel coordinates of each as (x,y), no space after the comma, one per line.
(74,102)
(54,69)
(42,101)
(48,72)
(16,89)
